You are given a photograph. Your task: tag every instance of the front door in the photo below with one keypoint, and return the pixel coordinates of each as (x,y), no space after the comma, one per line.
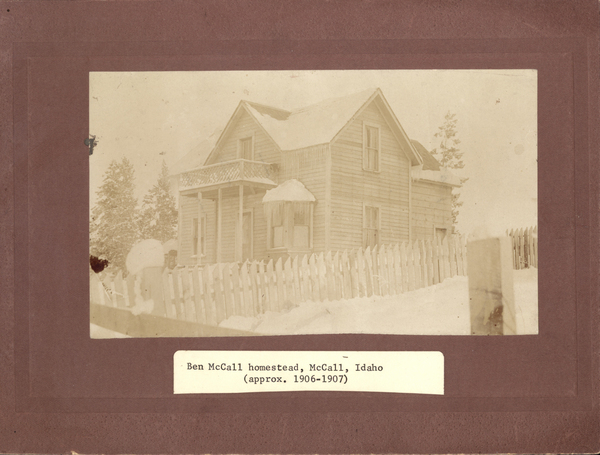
(247,234)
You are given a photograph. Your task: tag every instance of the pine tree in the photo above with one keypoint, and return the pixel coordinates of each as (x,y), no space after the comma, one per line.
(158,215)
(113,228)
(450,156)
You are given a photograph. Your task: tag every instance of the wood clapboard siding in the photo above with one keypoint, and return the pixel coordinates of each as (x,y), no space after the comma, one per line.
(431,207)
(190,209)
(352,187)
(245,126)
(308,166)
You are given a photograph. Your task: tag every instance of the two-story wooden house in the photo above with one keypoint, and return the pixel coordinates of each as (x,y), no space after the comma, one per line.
(337,175)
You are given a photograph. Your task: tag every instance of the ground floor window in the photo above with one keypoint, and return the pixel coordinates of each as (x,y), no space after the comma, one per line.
(290,224)
(371,226)
(301,225)
(276,219)
(199,236)
(440,233)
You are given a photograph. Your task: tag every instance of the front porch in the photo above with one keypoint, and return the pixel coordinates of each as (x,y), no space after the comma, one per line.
(232,187)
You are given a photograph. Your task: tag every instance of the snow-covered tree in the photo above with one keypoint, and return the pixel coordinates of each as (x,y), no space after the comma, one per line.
(450,156)
(113,228)
(158,215)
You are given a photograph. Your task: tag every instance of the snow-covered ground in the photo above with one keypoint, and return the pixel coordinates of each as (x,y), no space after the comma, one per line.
(442,309)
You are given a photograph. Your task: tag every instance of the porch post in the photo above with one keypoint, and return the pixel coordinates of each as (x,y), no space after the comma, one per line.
(239,240)
(179,226)
(199,246)
(219,216)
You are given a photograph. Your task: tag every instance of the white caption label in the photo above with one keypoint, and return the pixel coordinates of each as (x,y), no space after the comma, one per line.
(287,371)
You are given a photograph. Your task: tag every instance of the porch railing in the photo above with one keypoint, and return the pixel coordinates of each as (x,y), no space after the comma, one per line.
(229,171)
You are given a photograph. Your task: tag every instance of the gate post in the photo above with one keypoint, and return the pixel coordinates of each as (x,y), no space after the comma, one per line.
(491,289)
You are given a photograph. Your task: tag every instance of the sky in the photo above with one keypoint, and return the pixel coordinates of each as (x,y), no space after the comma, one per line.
(156,116)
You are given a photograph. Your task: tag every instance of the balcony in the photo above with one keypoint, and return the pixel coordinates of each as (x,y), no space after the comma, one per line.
(230,173)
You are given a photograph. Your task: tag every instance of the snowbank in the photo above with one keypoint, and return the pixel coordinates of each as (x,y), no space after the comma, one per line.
(146,253)
(442,309)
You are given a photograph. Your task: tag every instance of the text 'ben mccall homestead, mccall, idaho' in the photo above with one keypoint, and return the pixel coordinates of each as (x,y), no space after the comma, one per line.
(336,175)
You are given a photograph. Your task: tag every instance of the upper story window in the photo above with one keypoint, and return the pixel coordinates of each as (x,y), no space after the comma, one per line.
(246,148)
(371,148)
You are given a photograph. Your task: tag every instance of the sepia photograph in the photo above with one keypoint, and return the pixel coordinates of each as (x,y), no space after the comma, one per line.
(253,203)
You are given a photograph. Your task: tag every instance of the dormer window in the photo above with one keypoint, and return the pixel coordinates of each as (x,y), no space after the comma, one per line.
(246,148)
(371,147)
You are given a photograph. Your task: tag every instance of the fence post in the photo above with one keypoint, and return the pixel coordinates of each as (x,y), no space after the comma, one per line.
(491,292)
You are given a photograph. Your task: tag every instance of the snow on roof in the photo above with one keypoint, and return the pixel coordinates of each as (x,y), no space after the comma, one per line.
(196,157)
(289,191)
(444,175)
(312,125)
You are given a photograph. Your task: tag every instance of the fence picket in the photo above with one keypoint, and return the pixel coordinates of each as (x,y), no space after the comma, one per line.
(289,282)
(186,286)
(401,256)
(209,302)
(362,279)
(247,300)
(297,283)
(272,288)
(198,303)
(280,286)
(354,277)
(535,246)
(330,278)
(305,288)
(262,287)
(219,297)
(338,277)
(314,279)
(397,269)
(322,276)
(375,271)
(255,307)
(417,264)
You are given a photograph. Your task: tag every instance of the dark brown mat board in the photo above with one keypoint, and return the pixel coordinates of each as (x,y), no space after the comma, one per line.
(61,391)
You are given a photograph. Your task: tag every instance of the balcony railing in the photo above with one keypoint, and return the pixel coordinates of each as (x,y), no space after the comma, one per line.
(229,172)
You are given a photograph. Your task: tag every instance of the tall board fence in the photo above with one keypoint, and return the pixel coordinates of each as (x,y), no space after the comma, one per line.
(525,247)
(213,293)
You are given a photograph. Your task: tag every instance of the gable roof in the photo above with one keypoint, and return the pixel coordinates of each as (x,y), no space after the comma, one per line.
(429,162)
(316,124)
(311,125)
(431,170)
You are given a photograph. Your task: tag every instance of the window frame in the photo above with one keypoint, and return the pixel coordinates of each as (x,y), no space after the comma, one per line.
(367,205)
(288,229)
(365,165)
(240,149)
(199,228)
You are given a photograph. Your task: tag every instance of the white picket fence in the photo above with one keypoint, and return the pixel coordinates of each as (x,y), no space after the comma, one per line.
(212,293)
(525,247)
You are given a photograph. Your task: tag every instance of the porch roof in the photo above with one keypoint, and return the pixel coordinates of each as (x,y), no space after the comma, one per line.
(289,191)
